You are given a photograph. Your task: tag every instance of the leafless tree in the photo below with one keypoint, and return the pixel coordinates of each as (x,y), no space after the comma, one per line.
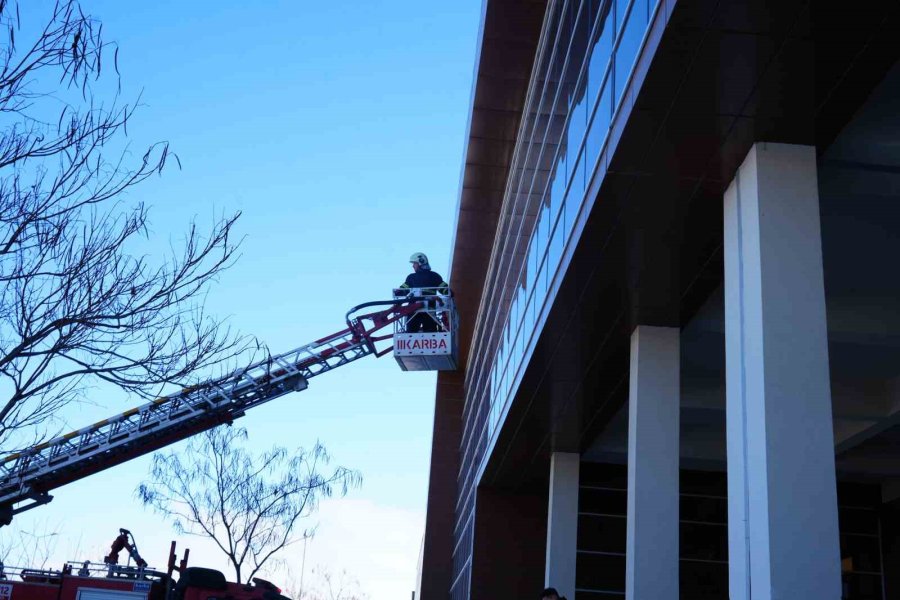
(328,585)
(78,303)
(31,549)
(325,584)
(250,505)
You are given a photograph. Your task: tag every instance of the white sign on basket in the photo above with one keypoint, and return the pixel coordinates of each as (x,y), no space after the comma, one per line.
(5,591)
(422,344)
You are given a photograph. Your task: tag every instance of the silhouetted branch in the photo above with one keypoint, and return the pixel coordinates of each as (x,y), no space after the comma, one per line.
(249,505)
(75,305)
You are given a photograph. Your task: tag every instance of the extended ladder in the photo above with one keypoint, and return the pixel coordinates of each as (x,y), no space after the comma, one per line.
(28,476)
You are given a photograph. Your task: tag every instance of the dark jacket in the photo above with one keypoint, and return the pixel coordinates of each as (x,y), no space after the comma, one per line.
(425,279)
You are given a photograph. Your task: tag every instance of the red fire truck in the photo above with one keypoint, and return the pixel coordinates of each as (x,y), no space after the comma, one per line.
(111,581)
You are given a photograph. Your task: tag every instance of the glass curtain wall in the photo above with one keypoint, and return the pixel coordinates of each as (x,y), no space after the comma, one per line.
(584,62)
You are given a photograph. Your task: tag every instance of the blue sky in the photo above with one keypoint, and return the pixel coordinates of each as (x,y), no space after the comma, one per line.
(337,128)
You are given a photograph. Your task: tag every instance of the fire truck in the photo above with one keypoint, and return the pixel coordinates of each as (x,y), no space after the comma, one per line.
(111,581)
(27,477)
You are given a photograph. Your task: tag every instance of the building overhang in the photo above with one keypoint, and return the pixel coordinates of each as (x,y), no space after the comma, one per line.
(713,79)
(508,38)
(507,43)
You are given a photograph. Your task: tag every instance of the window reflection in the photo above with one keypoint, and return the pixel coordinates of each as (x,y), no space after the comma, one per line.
(621,8)
(506,381)
(564,128)
(520,347)
(531,264)
(632,34)
(493,384)
(501,352)
(575,196)
(530,316)
(514,316)
(542,278)
(542,232)
(599,126)
(523,298)
(600,53)
(569,92)
(566,24)
(555,252)
(557,191)
(577,127)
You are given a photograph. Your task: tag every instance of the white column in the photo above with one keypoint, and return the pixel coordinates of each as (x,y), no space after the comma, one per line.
(651,563)
(782,499)
(562,523)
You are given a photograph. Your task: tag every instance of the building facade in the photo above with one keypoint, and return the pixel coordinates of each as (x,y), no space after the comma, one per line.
(675,264)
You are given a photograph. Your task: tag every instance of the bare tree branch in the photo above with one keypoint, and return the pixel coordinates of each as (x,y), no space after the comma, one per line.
(76,306)
(33,549)
(326,585)
(249,505)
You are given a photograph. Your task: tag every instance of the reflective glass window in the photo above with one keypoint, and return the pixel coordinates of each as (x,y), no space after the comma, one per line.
(557,190)
(521,297)
(632,34)
(531,313)
(564,73)
(544,227)
(621,9)
(531,263)
(580,36)
(550,121)
(542,232)
(566,25)
(577,120)
(520,300)
(599,129)
(558,68)
(520,345)
(542,278)
(542,77)
(600,51)
(493,382)
(501,346)
(511,364)
(510,330)
(505,388)
(577,127)
(556,147)
(575,197)
(514,315)
(555,253)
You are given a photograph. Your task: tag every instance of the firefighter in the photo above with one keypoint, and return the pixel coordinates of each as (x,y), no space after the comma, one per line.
(430,283)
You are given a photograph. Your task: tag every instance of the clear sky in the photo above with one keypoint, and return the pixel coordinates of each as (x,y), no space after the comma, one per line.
(337,128)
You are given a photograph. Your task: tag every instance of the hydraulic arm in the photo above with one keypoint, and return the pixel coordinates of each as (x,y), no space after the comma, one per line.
(27,477)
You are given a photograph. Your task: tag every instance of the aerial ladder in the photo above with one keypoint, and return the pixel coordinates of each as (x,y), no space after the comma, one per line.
(27,477)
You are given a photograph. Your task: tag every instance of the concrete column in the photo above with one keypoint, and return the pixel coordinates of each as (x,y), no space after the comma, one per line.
(782,498)
(651,563)
(562,523)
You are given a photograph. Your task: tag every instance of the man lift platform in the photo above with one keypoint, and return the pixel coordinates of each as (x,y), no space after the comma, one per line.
(426,340)
(27,477)
(432,348)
